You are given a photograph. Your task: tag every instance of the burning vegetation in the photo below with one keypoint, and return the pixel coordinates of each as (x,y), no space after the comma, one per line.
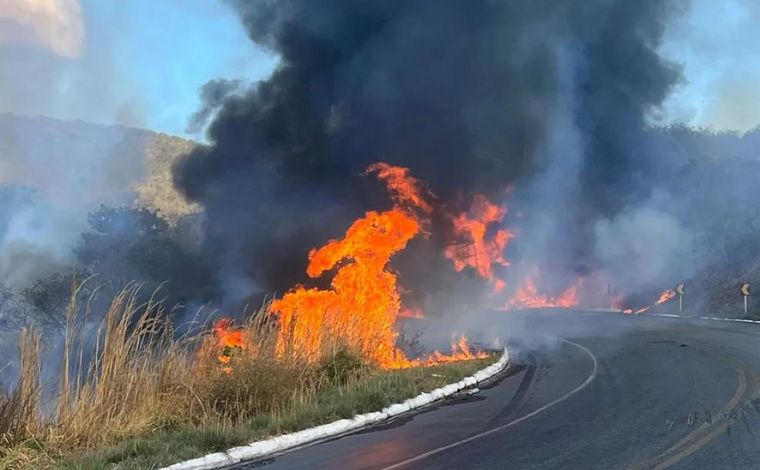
(363,302)
(477,249)
(140,379)
(665,296)
(360,308)
(228,342)
(528,296)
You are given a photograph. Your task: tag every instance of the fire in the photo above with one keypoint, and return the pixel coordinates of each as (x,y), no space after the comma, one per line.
(477,250)
(227,343)
(460,350)
(361,306)
(412,313)
(362,303)
(527,296)
(664,297)
(405,189)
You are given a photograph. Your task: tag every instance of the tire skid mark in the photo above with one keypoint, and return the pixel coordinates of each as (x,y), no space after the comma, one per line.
(517,399)
(702,435)
(556,401)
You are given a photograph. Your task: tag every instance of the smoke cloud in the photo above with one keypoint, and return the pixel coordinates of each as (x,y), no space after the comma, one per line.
(54,25)
(213,95)
(52,175)
(474,96)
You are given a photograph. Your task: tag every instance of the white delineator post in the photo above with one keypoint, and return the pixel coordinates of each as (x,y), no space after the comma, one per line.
(611,295)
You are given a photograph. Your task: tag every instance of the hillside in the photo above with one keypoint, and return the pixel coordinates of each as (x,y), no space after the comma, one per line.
(78,163)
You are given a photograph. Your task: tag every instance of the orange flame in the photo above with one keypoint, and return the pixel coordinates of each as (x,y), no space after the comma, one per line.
(460,350)
(527,296)
(362,304)
(477,250)
(227,343)
(412,313)
(664,297)
(405,189)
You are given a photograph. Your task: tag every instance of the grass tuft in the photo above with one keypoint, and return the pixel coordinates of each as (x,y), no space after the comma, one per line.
(132,394)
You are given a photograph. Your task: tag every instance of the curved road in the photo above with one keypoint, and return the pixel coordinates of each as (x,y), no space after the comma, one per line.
(585,390)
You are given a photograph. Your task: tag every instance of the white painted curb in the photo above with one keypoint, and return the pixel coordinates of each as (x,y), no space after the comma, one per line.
(671,315)
(336,428)
(739,320)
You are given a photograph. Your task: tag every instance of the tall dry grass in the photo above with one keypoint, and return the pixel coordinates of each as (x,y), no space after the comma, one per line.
(132,375)
(133,363)
(20,410)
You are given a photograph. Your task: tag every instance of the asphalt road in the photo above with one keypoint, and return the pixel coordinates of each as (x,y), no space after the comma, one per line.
(584,391)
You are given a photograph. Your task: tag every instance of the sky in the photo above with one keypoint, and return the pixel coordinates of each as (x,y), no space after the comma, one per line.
(718,45)
(141,62)
(137,62)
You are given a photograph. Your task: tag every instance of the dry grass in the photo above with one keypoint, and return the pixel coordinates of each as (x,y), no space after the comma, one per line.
(132,377)
(135,362)
(20,410)
(367,391)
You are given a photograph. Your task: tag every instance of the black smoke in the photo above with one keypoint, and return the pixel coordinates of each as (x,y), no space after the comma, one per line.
(465,93)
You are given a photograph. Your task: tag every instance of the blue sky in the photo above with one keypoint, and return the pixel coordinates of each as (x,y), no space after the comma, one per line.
(167,49)
(141,62)
(718,44)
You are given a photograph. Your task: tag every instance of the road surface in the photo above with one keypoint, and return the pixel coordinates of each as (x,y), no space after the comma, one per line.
(587,391)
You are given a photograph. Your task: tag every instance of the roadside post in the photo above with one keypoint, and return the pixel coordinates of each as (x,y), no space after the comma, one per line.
(611,294)
(744,289)
(681,290)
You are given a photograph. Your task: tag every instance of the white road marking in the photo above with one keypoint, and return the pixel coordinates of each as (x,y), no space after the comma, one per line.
(577,389)
(739,320)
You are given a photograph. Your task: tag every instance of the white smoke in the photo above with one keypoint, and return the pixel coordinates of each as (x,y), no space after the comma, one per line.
(55,25)
(644,247)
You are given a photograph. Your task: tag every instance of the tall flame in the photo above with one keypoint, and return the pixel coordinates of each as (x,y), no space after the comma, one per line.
(477,250)
(362,304)
(406,190)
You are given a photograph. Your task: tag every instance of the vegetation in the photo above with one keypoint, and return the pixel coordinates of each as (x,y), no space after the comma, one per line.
(134,394)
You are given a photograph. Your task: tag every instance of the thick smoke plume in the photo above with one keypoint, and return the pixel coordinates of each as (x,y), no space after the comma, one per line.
(549,96)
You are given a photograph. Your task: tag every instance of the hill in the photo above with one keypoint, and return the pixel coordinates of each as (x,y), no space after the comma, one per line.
(77,164)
